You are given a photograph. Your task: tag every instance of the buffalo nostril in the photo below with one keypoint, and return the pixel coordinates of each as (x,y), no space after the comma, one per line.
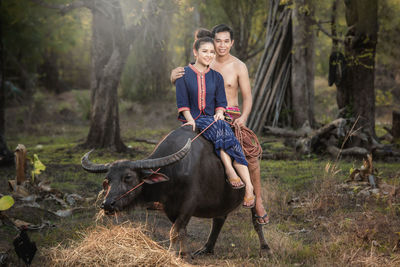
(102,205)
(112,203)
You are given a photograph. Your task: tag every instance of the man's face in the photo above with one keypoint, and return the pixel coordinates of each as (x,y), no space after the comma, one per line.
(223,43)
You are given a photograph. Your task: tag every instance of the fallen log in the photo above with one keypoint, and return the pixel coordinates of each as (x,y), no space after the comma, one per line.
(147,141)
(383,153)
(338,123)
(283,132)
(352,151)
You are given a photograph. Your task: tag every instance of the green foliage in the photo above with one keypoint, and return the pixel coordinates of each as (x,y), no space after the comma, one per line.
(38,166)
(323,45)
(6,202)
(146,75)
(83,99)
(389,33)
(32,32)
(39,101)
(383,98)
(247,19)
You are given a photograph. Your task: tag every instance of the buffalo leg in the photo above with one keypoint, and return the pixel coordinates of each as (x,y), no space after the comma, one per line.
(208,248)
(264,248)
(177,235)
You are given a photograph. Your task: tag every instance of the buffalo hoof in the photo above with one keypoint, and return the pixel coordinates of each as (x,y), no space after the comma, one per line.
(186,256)
(109,213)
(203,251)
(265,251)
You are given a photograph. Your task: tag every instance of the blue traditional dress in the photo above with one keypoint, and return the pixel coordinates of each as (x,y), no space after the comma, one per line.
(203,94)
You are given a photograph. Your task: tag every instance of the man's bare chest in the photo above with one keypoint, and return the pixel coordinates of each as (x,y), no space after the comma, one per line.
(229,74)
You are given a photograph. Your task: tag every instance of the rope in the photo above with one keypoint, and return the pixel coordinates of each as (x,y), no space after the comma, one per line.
(203,131)
(248,140)
(126,193)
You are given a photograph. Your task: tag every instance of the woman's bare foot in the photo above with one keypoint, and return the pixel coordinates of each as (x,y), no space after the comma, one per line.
(236,182)
(249,199)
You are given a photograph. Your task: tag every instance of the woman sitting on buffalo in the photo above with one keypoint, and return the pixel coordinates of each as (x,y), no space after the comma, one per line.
(201,101)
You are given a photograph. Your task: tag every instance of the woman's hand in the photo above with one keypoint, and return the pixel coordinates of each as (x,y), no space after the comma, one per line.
(176,74)
(219,116)
(191,122)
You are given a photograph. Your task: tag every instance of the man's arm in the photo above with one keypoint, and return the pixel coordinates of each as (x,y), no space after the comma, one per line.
(245,89)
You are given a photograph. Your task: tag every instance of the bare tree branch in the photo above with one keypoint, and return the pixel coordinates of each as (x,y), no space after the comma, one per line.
(250,55)
(63,8)
(322,29)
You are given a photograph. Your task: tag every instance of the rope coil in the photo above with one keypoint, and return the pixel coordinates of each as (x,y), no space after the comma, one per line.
(248,140)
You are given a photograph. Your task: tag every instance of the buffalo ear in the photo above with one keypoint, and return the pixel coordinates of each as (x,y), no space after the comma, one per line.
(156,178)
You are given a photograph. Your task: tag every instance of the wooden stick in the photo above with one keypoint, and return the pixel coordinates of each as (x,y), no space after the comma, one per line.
(20,163)
(264,84)
(260,76)
(268,101)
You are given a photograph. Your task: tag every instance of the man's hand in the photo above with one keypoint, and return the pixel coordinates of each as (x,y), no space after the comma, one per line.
(176,74)
(241,121)
(191,122)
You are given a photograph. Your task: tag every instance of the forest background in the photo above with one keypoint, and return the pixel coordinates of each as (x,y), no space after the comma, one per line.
(48,53)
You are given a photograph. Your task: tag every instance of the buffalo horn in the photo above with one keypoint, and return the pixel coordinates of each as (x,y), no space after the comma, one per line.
(160,162)
(92,167)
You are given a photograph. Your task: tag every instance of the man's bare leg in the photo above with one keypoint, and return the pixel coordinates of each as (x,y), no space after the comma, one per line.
(255,176)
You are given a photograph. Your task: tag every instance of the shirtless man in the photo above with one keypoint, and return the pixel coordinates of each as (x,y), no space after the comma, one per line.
(236,78)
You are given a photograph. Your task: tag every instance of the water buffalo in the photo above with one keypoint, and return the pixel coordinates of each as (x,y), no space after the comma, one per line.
(190,182)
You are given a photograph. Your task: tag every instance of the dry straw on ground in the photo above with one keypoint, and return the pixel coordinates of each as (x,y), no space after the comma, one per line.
(118,245)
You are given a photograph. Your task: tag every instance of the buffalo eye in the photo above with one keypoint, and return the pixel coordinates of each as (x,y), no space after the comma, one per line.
(128,178)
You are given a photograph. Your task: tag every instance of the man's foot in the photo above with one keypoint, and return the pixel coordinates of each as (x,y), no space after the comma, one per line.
(262,219)
(261,215)
(236,182)
(249,202)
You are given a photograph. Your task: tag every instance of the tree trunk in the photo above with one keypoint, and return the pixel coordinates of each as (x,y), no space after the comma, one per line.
(51,79)
(109,53)
(396,125)
(356,93)
(6,157)
(302,64)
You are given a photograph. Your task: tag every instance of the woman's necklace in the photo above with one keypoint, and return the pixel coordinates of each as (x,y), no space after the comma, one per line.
(199,67)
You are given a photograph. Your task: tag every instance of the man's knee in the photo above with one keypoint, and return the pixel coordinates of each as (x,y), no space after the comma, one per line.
(254,164)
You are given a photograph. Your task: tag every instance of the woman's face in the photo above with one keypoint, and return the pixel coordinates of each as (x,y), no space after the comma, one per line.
(205,54)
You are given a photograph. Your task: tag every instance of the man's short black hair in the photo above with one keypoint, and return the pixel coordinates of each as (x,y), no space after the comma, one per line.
(222,28)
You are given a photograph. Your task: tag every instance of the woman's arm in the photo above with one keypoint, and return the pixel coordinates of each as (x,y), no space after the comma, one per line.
(183,102)
(189,119)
